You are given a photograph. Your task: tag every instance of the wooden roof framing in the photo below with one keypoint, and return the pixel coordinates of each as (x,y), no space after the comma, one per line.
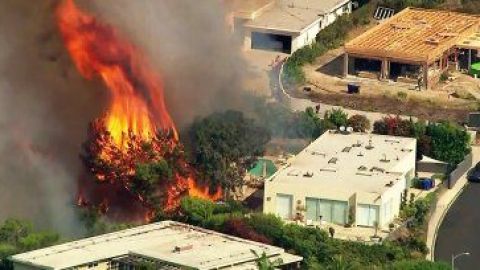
(414,35)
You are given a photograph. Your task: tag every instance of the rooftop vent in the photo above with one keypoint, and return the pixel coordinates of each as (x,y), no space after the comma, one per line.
(360,154)
(318,153)
(389,184)
(347,149)
(364,173)
(358,144)
(308,174)
(377,169)
(328,169)
(362,168)
(384,159)
(182,248)
(369,146)
(293,172)
(333,161)
(392,141)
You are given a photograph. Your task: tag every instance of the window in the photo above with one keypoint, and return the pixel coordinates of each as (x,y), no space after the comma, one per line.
(387,211)
(367,215)
(330,210)
(284,206)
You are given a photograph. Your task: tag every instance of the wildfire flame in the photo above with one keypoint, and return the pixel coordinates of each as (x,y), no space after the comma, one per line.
(137,96)
(137,103)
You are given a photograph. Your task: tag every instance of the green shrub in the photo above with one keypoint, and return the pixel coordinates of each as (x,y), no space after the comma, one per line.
(402,95)
(418,265)
(337,117)
(359,123)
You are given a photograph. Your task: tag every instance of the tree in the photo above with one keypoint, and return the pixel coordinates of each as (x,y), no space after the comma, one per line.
(337,117)
(19,236)
(224,146)
(147,178)
(359,123)
(450,143)
(309,125)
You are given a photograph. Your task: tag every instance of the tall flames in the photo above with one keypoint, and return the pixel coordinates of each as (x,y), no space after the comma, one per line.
(137,113)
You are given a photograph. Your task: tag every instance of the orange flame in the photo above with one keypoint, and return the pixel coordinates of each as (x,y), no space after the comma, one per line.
(137,96)
(137,103)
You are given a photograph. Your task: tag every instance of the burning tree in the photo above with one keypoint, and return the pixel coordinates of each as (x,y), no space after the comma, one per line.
(133,152)
(153,170)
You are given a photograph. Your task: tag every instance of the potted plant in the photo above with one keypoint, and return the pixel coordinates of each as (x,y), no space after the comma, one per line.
(331,230)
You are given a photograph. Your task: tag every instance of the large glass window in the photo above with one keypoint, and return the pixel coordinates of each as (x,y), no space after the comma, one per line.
(330,210)
(284,206)
(367,215)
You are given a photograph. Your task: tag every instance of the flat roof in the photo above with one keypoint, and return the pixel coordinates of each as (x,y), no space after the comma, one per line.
(294,16)
(360,162)
(414,35)
(196,248)
(248,9)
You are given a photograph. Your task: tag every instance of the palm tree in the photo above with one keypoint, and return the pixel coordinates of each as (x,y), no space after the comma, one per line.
(263,263)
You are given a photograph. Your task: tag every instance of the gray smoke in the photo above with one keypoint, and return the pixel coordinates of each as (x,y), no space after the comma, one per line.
(45,105)
(189,43)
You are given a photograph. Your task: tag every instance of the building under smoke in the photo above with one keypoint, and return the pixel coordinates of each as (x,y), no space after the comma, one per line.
(283,25)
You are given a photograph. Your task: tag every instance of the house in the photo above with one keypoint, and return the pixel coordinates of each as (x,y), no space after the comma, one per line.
(283,25)
(415,46)
(344,178)
(166,245)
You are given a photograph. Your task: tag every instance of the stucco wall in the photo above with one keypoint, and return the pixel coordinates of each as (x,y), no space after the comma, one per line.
(19,266)
(308,187)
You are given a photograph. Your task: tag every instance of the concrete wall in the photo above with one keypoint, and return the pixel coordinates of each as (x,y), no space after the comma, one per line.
(307,37)
(332,16)
(309,188)
(97,266)
(299,40)
(299,193)
(20,266)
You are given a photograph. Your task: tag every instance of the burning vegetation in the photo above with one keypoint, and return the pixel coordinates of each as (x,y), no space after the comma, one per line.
(133,152)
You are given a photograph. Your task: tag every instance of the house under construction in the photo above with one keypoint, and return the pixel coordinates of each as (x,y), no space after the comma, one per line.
(415,46)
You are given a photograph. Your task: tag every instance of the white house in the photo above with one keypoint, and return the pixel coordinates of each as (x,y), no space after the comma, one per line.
(166,245)
(344,176)
(285,25)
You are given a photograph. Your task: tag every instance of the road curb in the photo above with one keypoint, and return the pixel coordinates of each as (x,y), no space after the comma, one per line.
(440,221)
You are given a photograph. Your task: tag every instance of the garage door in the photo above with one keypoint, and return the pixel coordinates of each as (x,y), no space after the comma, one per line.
(284,206)
(271,42)
(367,215)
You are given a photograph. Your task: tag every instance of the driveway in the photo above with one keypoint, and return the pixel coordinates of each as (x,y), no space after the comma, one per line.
(459,231)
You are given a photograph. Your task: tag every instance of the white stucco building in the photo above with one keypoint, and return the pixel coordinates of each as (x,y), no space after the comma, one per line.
(344,178)
(284,25)
(166,245)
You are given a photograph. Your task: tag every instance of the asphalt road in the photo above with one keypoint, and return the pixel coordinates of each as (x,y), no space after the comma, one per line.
(460,230)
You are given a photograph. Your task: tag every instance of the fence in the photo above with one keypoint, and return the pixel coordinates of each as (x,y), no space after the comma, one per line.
(460,170)
(432,167)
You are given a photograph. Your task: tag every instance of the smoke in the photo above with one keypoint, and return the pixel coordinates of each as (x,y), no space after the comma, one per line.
(45,105)
(189,43)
